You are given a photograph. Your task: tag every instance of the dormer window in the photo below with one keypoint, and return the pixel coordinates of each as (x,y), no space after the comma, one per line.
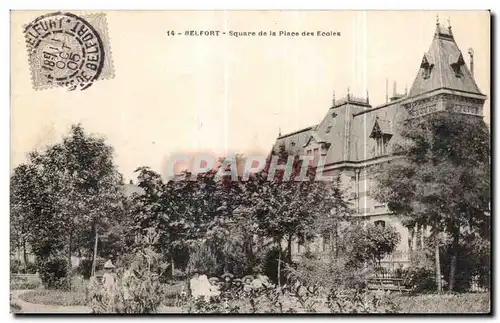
(426,66)
(382,133)
(457,70)
(456,62)
(292,144)
(334,114)
(426,72)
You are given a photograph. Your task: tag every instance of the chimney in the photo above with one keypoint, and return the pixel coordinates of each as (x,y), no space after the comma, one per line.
(471,56)
(395,94)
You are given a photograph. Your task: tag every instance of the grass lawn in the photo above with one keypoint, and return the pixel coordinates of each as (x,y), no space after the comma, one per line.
(55,297)
(445,303)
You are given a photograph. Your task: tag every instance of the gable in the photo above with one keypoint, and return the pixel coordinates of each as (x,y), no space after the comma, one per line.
(380,128)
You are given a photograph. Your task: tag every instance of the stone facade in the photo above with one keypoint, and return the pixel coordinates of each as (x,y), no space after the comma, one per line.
(355,135)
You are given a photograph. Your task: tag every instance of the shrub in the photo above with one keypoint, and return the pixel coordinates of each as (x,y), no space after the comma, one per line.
(138,290)
(270,265)
(419,279)
(85,268)
(295,299)
(328,273)
(360,301)
(54,273)
(203,260)
(31,268)
(15,266)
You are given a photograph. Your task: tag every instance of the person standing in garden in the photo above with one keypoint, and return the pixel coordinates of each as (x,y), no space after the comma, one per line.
(109,278)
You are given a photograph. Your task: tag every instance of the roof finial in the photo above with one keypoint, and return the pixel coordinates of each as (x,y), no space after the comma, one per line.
(333,99)
(471,55)
(367,97)
(386,90)
(449,22)
(348,93)
(406,89)
(279,132)
(437,19)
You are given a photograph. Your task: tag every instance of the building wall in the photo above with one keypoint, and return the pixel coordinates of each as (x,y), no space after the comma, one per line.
(443,83)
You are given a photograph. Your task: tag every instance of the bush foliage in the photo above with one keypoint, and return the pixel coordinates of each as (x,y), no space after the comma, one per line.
(54,273)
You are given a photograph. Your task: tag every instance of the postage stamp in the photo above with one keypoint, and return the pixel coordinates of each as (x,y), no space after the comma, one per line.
(68,50)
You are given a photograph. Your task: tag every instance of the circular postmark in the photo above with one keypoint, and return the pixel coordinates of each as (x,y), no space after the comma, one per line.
(64,50)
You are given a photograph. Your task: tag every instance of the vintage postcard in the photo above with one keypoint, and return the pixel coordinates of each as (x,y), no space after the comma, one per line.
(250,162)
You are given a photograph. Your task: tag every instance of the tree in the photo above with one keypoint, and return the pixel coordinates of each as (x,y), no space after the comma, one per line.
(69,189)
(288,209)
(369,243)
(19,233)
(442,178)
(154,210)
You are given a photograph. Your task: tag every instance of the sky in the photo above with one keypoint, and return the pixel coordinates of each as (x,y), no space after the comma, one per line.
(174,95)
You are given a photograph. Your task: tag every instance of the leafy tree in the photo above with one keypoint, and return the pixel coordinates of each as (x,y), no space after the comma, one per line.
(367,242)
(442,179)
(288,209)
(70,188)
(96,199)
(19,187)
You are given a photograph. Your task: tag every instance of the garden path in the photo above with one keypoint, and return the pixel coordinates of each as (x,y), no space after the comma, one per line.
(41,308)
(27,307)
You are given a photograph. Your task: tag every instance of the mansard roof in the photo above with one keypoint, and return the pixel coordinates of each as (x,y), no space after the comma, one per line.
(443,66)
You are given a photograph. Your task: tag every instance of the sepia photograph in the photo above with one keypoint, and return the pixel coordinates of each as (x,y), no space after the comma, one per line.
(228,162)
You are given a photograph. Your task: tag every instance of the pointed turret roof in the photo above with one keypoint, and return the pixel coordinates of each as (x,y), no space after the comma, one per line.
(443,66)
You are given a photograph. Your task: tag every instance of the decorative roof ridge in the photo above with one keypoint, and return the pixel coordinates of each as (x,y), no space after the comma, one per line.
(296,132)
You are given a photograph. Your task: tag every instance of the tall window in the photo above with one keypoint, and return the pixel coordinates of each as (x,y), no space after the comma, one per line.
(382,144)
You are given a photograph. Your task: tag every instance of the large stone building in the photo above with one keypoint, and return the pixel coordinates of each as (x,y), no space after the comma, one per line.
(355,135)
